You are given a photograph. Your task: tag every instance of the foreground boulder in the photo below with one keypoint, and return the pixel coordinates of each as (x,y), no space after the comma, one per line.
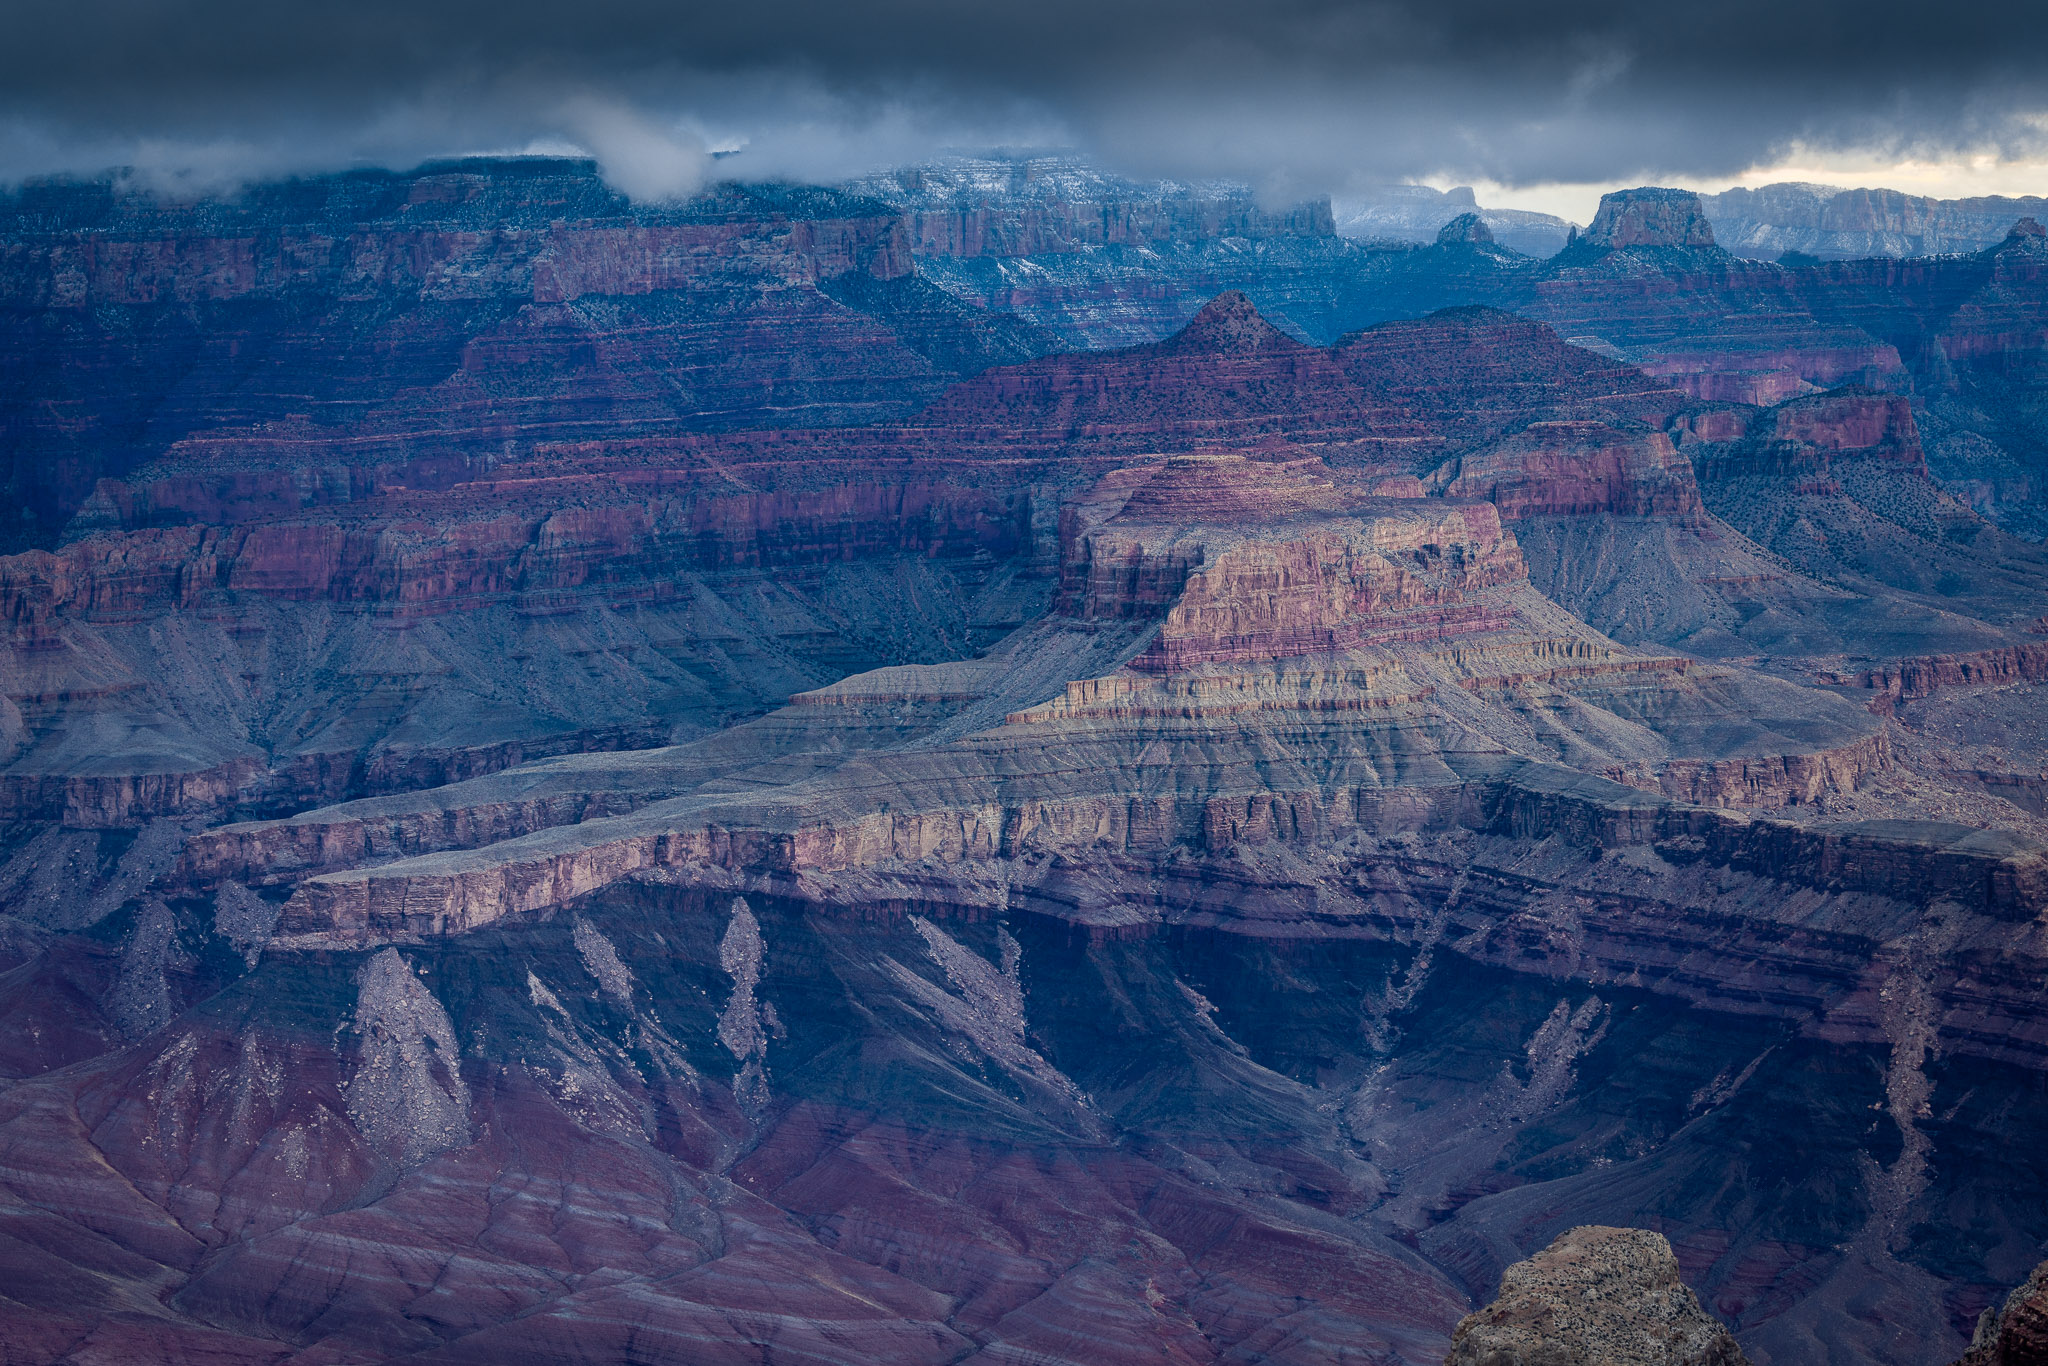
(2016,1332)
(1595,1297)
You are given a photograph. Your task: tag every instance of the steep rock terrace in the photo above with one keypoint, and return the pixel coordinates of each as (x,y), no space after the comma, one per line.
(708,578)
(652,587)
(1168,877)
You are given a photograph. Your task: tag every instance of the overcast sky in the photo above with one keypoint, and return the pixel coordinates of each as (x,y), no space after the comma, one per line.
(1534,102)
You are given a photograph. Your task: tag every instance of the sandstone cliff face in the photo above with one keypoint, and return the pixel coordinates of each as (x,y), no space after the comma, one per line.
(1910,679)
(1610,1296)
(538,228)
(1039,206)
(2014,1333)
(1228,376)
(1807,436)
(464,312)
(1387,403)
(1417,213)
(1558,468)
(1839,485)
(582,536)
(1736,331)
(1388,398)
(1100,261)
(1254,598)
(370,652)
(1763,361)
(500,274)
(1823,221)
(1851,422)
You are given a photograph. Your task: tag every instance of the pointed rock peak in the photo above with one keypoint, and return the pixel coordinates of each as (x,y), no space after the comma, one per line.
(1466,227)
(1229,325)
(1650,217)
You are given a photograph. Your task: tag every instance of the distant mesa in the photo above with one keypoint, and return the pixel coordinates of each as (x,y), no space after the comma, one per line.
(1650,217)
(1466,227)
(1850,225)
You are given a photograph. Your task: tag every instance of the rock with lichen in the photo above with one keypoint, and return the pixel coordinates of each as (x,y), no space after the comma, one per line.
(1595,1297)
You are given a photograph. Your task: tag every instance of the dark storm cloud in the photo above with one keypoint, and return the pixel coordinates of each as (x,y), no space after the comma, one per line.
(1296,94)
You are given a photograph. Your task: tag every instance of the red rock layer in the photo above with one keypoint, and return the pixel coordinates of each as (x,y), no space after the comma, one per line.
(115,801)
(1391,391)
(2016,1333)
(297,345)
(412,565)
(1908,679)
(1807,435)
(1574,468)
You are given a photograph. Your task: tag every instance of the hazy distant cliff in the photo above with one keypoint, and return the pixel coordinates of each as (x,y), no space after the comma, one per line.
(1838,224)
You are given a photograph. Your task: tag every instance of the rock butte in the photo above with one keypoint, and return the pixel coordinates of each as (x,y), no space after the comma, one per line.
(581,782)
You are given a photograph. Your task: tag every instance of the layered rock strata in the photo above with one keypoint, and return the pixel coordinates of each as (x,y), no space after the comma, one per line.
(674,564)
(1827,222)
(666,539)
(1130,866)
(411,329)
(531,303)
(1251,599)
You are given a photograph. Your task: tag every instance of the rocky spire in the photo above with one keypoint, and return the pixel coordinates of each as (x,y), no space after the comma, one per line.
(1229,325)
(1466,227)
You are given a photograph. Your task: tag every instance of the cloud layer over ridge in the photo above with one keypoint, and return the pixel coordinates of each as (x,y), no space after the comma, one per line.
(1298,96)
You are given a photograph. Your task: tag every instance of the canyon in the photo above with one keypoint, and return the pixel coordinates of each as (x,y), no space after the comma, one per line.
(972,768)
(380,330)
